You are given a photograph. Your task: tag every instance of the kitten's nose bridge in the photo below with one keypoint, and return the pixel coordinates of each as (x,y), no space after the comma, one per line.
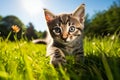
(65,35)
(64,32)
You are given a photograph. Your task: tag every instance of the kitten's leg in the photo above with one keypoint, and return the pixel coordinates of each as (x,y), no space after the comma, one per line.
(79,51)
(78,54)
(79,57)
(57,57)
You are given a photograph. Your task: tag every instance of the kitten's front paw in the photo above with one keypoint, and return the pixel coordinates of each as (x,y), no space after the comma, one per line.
(57,59)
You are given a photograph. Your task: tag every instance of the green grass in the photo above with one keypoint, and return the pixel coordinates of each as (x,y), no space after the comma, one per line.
(22,60)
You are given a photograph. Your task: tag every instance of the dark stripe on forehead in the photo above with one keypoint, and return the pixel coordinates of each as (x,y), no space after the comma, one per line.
(64,19)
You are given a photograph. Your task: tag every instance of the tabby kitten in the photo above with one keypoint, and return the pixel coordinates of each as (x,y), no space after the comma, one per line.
(65,33)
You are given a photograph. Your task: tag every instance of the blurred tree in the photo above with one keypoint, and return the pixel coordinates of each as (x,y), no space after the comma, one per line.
(39,34)
(0,18)
(105,22)
(4,31)
(7,22)
(113,18)
(44,34)
(87,24)
(30,32)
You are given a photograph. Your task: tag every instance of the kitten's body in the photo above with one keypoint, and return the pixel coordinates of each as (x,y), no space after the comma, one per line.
(65,35)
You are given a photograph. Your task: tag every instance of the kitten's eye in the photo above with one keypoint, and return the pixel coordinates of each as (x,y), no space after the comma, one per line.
(57,30)
(72,29)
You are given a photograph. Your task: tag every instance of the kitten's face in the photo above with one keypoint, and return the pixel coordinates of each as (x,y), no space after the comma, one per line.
(65,28)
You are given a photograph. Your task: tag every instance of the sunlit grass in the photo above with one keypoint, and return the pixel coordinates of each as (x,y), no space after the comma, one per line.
(22,60)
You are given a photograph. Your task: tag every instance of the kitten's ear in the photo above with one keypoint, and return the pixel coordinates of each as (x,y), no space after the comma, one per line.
(80,13)
(48,15)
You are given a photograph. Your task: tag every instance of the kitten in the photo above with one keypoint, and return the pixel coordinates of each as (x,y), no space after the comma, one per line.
(65,33)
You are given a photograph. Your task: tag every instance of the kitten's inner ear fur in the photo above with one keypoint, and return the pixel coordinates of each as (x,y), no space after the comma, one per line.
(80,13)
(48,15)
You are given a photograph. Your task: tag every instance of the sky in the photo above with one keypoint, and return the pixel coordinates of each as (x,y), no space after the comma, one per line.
(32,10)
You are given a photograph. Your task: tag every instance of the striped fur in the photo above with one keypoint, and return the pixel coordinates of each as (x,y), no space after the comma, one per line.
(65,35)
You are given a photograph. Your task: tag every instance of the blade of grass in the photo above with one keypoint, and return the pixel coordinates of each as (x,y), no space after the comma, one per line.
(107,68)
(29,75)
(4,75)
(65,75)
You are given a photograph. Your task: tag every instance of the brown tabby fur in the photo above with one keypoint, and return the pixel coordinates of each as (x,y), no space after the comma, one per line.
(65,35)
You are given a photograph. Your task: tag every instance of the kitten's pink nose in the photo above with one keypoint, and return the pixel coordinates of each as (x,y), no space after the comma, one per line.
(64,36)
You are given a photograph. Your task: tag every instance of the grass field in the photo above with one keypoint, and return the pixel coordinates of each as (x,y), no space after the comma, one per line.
(22,60)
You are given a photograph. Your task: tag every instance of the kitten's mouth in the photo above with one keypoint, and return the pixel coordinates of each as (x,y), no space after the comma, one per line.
(66,42)
(63,41)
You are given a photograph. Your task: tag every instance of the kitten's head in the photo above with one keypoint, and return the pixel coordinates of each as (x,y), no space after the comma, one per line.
(65,28)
